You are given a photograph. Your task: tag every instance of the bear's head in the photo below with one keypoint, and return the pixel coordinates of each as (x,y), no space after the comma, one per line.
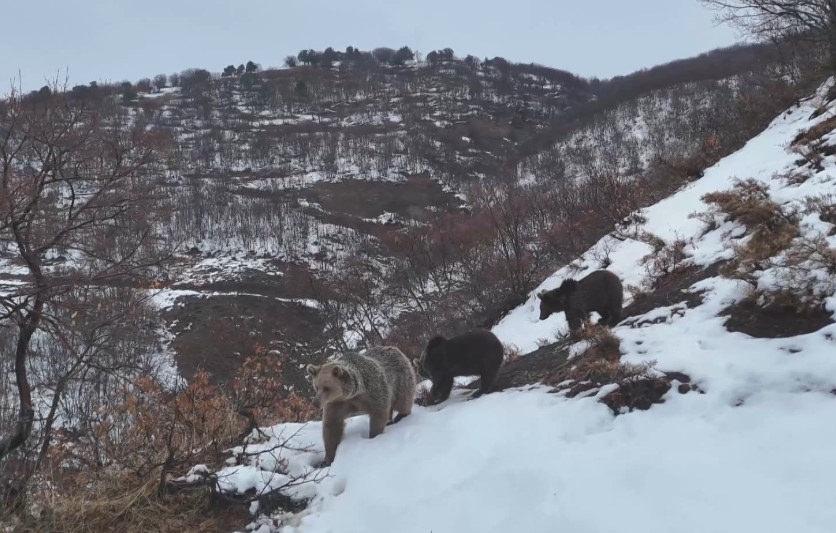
(333,382)
(556,300)
(433,356)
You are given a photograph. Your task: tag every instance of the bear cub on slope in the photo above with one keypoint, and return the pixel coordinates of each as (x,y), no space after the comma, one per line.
(378,382)
(600,291)
(478,352)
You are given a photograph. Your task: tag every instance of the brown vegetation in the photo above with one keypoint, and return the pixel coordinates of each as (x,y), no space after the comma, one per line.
(118,475)
(638,386)
(770,229)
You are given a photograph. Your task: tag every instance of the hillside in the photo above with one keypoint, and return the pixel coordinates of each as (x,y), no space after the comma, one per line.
(307,185)
(174,252)
(739,443)
(286,176)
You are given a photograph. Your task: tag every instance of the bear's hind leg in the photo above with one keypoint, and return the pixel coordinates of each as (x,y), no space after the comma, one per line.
(377,421)
(404,407)
(486,381)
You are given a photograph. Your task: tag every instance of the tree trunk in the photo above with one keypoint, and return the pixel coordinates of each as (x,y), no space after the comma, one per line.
(28,325)
(26,413)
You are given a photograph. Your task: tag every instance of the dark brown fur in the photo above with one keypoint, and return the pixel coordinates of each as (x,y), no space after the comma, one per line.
(477,352)
(600,291)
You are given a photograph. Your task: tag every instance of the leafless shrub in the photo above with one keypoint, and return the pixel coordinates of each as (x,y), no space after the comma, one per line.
(665,258)
(824,205)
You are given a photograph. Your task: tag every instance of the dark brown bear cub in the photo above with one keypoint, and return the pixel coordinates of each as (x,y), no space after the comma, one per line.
(477,352)
(600,291)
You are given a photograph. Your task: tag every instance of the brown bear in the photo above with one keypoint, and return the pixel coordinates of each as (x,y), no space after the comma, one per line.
(378,382)
(477,352)
(600,291)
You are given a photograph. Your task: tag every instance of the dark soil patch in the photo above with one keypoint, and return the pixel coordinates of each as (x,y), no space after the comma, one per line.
(537,366)
(638,394)
(672,288)
(356,203)
(548,363)
(218,333)
(774,321)
(410,199)
(296,281)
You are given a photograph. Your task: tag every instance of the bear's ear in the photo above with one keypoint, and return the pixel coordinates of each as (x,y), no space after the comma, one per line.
(313,370)
(340,373)
(547,296)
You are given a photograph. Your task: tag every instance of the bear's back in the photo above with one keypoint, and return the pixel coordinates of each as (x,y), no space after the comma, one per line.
(395,369)
(472,351)
(368,369)
(600,289)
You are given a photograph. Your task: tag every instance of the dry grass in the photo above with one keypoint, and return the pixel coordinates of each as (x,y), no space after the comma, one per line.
(603,345)
(811,145)
(511,353)
(816,133)
(639,386)
(770,228)
(121,504)
(824,205)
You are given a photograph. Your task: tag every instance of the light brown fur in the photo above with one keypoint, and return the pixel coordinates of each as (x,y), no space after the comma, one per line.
(378,383)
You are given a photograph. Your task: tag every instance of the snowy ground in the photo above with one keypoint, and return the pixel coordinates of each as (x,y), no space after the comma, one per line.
(753,453)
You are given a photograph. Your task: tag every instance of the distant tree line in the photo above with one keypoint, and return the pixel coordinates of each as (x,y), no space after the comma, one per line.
(329,56)
(232,70)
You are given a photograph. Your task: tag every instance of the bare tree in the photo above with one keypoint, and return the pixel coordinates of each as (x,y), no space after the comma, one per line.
(781,19)
(76,182)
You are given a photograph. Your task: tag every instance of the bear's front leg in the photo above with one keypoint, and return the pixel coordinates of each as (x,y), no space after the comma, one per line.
(333,423)
(441,389)
(575,320)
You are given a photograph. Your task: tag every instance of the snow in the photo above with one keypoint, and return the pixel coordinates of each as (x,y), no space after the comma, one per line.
(168,298)
(537,462)
(752,451)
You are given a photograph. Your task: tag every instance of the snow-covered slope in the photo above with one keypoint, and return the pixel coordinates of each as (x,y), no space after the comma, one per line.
(753,453)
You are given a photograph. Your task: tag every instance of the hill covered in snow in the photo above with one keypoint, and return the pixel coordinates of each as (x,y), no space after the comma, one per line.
(288,215)
(731,286)
(315,205)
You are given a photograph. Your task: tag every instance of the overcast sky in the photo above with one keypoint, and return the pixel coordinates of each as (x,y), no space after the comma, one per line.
(113,40)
